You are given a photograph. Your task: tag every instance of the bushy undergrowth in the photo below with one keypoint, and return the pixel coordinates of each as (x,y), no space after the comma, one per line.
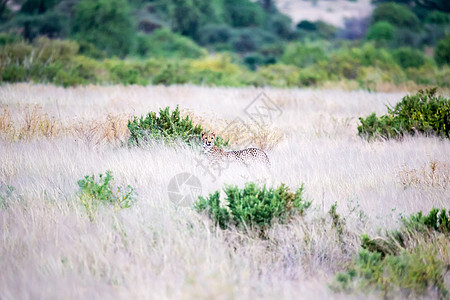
(425,112)
(66,63)
(94,192)
(408,262)
(167,127)
(253,208)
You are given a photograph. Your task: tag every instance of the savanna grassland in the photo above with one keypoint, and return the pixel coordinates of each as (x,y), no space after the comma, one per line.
(51,137)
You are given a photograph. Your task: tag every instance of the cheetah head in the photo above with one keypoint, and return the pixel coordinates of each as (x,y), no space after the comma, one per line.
(208,139)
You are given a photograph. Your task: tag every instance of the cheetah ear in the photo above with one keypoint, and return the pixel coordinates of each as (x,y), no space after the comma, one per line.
(203,133)
(213,134)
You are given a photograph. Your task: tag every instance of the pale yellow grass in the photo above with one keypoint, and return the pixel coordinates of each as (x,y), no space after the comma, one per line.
(49,248)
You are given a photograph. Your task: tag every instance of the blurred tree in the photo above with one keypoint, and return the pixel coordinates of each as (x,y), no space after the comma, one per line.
(280,24)
(3,7)
(442,51)
(165,43)
(396,14)
(106,24)
(187,16)
(244,13)
(381,32)
(442,5)
(268,5)
(38,6)
(214,34)
(407,57)
(303,55)
(306,25)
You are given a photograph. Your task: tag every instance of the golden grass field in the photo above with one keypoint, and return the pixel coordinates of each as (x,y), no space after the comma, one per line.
(51,137)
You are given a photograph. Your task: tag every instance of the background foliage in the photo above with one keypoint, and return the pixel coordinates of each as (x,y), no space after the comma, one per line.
(164,42)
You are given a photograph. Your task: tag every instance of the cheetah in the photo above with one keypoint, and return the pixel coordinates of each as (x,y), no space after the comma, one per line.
(245,157)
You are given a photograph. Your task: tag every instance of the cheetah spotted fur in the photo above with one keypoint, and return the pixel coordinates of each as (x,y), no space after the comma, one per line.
(245,157)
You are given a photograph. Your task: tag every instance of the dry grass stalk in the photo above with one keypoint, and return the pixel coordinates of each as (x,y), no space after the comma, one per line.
(433,174)
(33,123)
(240,133)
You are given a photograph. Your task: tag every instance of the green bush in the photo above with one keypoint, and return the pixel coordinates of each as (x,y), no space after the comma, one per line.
(279,75)
(52,24)
(397,14)
(312,76)
(172,73)
(438,17)
(6,38)
(437,219)
(307,25)
(90,50)
(168,127)
(381,32)
(408,262)
(280,25)
(424,112)
(253,207)
(243,13)
(211,34)
(251,39)
(411,273)
(92,193)
(442,51)
(318,29)
(303,55)
(37,6)
(107,24)
(125,73)
(217,70)
(165,43)
(55,50)
(409,58)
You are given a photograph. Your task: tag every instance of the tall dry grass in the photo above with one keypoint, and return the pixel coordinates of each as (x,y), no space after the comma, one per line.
(51,137)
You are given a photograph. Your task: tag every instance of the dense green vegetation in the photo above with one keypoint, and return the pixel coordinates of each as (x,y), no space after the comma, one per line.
(409,262)
(167,127)
(425,112)
(231,43)
(253,207)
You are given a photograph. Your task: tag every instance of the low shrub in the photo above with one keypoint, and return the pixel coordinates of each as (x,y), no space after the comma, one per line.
(172,73)
(303,55)
(407,57)
(92,193)
(217,70)
(437,220)
(167,127)
(251,39)
(6,38)
(424,112)
(409,262)
(165,43)
(253,207)
(278,75)
(125,73)
(211,34)
(311,76)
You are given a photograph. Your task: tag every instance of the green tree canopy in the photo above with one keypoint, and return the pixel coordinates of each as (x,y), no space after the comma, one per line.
(442,51)
(381,31)
(396,14)
(105,23)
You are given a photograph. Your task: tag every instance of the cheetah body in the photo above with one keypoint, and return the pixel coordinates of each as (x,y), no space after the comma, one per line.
(245,157)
